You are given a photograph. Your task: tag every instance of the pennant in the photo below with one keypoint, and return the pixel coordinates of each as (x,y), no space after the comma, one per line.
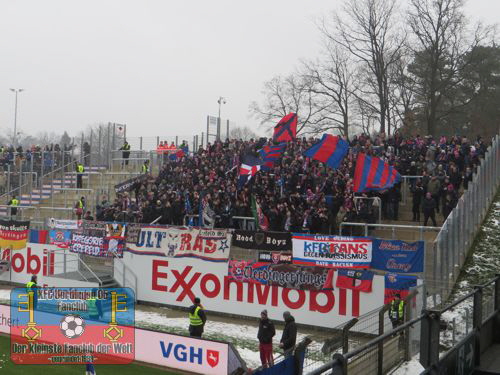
(286,130)
(360,280)
(270,154)
(260,219)
(398,284)
(329,150)
(373,174)
(248,170)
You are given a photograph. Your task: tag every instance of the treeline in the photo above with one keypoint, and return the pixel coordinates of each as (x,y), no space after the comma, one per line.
(416,66)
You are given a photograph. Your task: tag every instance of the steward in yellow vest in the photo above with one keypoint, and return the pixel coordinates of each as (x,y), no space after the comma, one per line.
(197,318)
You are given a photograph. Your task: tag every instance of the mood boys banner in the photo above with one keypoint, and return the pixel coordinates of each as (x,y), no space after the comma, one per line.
(211,245)
(331,251)
(398,256)
(284,275)
(274,241)
(13,234)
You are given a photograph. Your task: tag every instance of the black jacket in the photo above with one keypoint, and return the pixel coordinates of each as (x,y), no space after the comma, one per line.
(289,336)
(429,206)
(266,331)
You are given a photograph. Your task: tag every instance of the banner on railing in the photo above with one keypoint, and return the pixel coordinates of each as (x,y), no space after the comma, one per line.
(331,251)
(63,224)
(398,256)
(133,230)
(398,284)
(284,275)
(99,239)
(355,279)
(60,238)
(14,234)
(271,241)
(206,244)
(129,184)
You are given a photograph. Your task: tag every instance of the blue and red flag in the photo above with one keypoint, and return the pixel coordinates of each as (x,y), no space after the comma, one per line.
(360,280)
(398,284)
(270,154)
(373,174)
(38,236)
(246,173)
(329,150)
(286,130)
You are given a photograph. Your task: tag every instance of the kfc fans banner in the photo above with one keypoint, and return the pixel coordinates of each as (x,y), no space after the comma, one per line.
(177,281)
(207,244)
(398,256)
(273,241)
(285,275)
(331,251)
(13,234)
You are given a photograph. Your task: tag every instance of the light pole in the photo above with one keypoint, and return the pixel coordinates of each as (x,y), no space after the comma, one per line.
(16,91)
(221,101)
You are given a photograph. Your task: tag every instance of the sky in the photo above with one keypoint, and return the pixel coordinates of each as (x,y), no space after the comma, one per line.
(158,66)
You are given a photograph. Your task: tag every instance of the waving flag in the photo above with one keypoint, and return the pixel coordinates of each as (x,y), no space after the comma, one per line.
(260,219)
(246,173)
(270,154)
(329,150)
(286,130)
(373,174)
(355,279)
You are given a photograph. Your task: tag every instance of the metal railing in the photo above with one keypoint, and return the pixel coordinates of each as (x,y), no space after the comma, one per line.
(460,228)
(366,226)
(388,350)
(124,274)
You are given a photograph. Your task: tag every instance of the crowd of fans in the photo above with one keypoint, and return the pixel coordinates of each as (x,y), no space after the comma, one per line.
(299,194)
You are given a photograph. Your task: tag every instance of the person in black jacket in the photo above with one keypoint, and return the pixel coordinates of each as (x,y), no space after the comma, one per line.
(417,193)
(289,336)
(265,336)
(429,208)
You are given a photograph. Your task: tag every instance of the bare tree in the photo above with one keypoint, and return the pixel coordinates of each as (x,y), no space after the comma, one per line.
(243,133)
(331,81)
(284,95)
(442,42)
(368,29)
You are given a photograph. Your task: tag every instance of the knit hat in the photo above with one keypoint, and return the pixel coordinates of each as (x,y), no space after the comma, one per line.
(264,312)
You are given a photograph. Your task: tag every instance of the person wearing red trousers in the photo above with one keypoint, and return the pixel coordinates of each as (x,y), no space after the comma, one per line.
(265,336)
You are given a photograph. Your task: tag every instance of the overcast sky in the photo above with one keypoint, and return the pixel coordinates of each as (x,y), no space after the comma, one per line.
(156,65)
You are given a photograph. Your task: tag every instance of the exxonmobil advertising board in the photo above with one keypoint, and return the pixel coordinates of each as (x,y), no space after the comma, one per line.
(180,352)
(176,281)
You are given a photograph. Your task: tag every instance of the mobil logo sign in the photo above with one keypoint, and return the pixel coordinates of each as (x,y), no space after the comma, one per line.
(35,259)
(181,352)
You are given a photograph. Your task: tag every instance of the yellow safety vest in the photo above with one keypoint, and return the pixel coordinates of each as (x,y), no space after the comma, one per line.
(29,286)
(14,202)
(126,147)
(397,312)
(92,307)
(194,319)
(80,168)
(80,204)
(145,168)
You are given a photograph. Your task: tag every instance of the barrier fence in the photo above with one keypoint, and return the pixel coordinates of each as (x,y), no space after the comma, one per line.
(457,234)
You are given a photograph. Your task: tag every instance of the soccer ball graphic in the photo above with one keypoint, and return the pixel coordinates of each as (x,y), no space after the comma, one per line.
(72,326)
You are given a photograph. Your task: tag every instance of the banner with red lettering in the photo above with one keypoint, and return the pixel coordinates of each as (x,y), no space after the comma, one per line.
(178,242)
(13,234)
(284,275)
(331,251)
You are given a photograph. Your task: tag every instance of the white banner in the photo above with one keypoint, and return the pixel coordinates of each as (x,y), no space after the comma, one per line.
(63,224)
(177,242)
(177,282)
(331,251)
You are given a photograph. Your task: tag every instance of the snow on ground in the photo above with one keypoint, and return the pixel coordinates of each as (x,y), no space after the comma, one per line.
(412,367)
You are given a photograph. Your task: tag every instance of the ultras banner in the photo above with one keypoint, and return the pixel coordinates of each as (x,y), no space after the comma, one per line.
(13,234)
(271,241)
(331,251)
(177,242)
(284,275)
